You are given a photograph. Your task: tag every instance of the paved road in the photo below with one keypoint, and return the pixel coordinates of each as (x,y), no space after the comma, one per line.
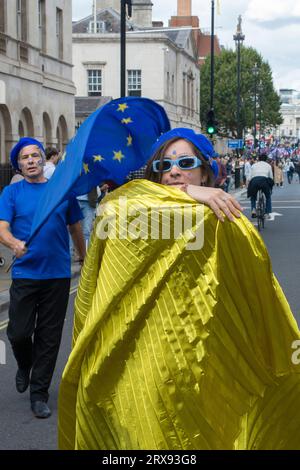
(282,237)
(20,430)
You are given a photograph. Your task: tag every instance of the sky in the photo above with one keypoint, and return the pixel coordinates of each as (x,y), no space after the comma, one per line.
(272,27)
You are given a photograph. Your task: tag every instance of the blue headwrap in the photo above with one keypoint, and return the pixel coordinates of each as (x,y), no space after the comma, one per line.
(198,140)
(23,142)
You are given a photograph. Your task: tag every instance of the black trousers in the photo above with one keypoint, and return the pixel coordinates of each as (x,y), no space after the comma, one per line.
(36,317)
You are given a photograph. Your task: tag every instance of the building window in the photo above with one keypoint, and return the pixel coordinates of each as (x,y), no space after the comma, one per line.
(134,83)
(94,82)
(173,88)
(192,98)
(42,25)
(100,27)
(168,85)
(184,93)
(2,16)
(59,33)
(2,26)
(22,20)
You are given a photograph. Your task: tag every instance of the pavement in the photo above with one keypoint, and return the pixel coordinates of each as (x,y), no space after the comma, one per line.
(6,254)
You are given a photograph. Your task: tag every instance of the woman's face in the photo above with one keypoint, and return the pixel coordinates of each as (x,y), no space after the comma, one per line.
(176,176)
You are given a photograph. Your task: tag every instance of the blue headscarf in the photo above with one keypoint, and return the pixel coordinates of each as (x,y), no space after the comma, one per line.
(23,142)
(198,140)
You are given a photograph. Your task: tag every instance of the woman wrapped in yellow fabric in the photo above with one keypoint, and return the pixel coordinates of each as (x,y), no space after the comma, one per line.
(183,338)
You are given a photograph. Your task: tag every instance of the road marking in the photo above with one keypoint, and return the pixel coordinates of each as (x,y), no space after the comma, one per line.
(277,207)
(3,324)
(285,201)
(273,215)
(74,289)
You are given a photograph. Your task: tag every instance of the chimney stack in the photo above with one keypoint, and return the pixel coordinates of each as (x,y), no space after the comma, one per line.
(184,7)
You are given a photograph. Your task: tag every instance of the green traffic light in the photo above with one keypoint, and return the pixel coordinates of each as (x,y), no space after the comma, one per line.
(210,130)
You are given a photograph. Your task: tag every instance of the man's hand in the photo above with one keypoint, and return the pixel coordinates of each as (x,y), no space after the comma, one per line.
(19,249)
(17,246)
(78,240)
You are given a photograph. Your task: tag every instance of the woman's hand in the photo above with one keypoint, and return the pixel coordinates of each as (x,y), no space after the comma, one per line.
(218,200)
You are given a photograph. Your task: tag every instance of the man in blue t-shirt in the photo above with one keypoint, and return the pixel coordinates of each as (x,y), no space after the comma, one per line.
(40,275)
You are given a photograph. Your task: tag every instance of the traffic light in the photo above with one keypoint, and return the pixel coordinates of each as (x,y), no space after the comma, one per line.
(211,123)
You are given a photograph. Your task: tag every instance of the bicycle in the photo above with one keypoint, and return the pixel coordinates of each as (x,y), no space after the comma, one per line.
(260,210)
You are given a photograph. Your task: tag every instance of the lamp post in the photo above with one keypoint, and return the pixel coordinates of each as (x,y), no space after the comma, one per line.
(123,44)
(260,89)
(210,116)
(255,72)
(212,55)
(239,38)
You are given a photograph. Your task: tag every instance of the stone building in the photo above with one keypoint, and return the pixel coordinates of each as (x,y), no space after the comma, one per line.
(161,63)
(290,112)
(141,10)
(36,87)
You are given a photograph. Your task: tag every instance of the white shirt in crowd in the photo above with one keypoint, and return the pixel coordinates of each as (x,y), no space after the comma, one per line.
(247,170)
(49,169)
(261,169)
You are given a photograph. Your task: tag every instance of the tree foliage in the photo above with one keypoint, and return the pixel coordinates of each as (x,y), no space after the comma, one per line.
(225,92)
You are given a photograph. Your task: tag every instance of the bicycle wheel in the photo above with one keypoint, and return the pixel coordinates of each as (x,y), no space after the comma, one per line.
(259,223)
(260,211)
(263,210)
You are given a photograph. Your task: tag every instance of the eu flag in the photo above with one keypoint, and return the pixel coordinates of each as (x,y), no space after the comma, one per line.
(113,141)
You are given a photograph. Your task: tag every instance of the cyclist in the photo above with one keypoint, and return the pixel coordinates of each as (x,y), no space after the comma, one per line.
(261,177)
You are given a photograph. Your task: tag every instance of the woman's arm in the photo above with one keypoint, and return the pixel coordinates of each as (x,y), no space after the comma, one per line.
(218,200)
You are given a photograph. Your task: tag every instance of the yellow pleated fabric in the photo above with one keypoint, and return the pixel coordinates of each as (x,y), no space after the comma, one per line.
(176,348)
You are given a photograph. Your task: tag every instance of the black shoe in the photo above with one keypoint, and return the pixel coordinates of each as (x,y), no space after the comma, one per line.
(40,409)
(22,380)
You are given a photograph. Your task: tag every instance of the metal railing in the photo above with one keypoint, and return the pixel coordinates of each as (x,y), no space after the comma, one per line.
(6,174)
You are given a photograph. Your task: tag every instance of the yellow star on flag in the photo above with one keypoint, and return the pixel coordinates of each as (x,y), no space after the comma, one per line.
(63,157)
(119,156)
(98,158)
(86,168)
(126,121)
(129,140)
(122,107)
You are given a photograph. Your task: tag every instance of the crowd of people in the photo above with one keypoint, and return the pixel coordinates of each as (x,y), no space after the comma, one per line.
(238,168)
(173,348)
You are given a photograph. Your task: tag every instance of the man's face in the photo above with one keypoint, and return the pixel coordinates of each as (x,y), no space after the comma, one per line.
(31,162)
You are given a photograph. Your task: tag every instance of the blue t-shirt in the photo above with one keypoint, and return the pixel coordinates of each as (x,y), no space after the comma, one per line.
(48,255)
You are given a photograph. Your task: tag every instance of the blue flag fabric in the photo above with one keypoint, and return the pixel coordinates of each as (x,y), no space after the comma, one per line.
(114,140)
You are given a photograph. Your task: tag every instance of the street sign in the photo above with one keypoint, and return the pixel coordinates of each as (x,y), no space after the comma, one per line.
(235,143)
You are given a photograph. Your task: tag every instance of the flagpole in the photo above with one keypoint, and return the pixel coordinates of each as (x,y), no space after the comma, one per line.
(123,49)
